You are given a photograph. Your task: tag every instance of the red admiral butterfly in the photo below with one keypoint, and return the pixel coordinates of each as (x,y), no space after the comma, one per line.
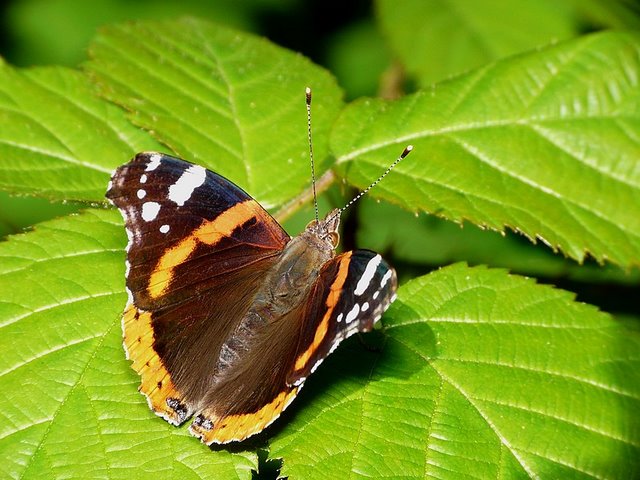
(227,314)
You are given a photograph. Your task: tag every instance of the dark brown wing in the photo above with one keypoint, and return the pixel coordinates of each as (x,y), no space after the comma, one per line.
(198,248)
(185,225)
(351,294)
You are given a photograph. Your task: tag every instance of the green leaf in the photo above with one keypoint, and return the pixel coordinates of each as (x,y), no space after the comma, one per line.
(430,241)
(470,353)
(221,98)
(436,39)
(70,406)
(58,139)
(481,374)
(543,143)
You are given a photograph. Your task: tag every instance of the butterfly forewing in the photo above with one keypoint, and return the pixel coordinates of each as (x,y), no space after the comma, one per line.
(186,225)
(351,294)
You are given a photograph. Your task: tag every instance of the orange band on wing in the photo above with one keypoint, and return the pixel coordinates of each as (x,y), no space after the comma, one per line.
(234,428)
(332,300)
(209,233)
(156,382)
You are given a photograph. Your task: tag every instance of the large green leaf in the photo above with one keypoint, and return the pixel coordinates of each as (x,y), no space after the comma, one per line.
(480,372)
(482,375)
(224,99)
(436,39)
(545,143)
(70,406)
(58,139)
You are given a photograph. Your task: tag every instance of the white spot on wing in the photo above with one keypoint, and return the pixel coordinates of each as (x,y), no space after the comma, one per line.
(367,276)
(154,162)
(130,239)
(317,364)
(339,318)
(386,278)
(365,306)
(191,179)
(376,294)
(150,211)
(143,178)
(353,313)
(141,194)
(164,228)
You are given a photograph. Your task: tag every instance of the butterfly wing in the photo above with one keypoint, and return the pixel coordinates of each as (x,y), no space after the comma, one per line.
(181,219)
(195,240)
(351,293)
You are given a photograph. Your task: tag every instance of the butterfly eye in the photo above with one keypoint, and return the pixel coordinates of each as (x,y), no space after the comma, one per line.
(334,238)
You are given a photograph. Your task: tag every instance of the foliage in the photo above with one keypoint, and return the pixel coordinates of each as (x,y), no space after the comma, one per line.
(477,371)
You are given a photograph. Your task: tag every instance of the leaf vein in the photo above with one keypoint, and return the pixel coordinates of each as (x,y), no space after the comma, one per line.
(56,304)
(66,397)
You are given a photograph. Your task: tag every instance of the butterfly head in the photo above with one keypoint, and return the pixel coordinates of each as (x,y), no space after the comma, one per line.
(326,230)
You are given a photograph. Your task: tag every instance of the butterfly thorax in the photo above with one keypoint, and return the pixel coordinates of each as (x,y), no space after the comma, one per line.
(298,267)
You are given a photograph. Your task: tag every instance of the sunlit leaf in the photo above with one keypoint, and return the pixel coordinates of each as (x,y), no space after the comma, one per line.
(224,99)
(544,143)
(70,406)
(482,374)
(58,138)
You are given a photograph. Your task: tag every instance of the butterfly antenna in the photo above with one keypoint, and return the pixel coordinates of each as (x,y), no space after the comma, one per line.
(404,153)
(313,169)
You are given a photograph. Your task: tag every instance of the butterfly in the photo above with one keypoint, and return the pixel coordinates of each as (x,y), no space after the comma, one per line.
(227,315)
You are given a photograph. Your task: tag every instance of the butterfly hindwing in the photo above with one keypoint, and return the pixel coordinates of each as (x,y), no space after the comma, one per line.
(257,393)
(350,295)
